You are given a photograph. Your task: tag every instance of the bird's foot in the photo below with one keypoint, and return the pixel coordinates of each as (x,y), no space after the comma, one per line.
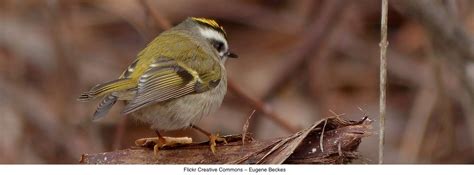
(213,138)
(160,142)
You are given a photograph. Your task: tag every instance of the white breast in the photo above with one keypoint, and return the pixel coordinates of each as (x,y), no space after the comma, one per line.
(184,111)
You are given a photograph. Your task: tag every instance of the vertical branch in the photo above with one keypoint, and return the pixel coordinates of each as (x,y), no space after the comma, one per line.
(383,77)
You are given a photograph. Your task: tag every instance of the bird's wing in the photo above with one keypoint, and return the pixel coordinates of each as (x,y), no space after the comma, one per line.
(164,79)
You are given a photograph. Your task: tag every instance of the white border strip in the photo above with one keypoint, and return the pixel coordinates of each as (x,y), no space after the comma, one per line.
(235,169)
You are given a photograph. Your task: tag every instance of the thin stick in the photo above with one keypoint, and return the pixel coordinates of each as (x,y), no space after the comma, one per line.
(335,114)
(321,138)
(383,76)
(246,127)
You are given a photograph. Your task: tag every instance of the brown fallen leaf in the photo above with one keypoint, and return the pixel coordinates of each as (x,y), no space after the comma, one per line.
(341,140)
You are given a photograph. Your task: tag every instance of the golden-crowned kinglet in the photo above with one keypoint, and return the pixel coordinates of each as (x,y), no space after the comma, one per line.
(176,80)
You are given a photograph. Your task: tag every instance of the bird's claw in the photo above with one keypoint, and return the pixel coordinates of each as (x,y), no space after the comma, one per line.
(213,138)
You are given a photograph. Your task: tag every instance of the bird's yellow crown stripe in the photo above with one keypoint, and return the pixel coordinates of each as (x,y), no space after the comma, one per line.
(209,22)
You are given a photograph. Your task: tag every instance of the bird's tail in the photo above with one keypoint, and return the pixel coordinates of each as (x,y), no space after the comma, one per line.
(107,88)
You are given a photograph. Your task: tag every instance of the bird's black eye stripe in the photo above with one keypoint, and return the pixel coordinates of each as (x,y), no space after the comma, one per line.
(218,45)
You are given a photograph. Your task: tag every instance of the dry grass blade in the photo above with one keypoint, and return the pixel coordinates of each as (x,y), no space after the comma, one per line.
(246,127)
(321,139)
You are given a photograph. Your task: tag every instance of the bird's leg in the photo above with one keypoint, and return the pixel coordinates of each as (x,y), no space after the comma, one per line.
(213,138)
(160,141)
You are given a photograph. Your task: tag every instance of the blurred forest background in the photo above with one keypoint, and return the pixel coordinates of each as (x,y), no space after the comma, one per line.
(299,60)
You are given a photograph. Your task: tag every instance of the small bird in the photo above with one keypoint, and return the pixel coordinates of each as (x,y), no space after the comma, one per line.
(177,79)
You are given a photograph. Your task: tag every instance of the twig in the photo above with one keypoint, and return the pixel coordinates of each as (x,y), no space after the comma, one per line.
(383,76)
(363,111)
(335,114)
(321,138)
(246,127)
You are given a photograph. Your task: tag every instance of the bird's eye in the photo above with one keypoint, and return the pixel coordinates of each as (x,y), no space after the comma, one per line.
(218,45)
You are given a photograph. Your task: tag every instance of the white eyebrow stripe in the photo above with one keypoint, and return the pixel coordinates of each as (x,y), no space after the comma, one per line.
(212,34)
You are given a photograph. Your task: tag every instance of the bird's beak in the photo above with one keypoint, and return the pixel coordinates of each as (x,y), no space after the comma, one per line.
(232,55)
